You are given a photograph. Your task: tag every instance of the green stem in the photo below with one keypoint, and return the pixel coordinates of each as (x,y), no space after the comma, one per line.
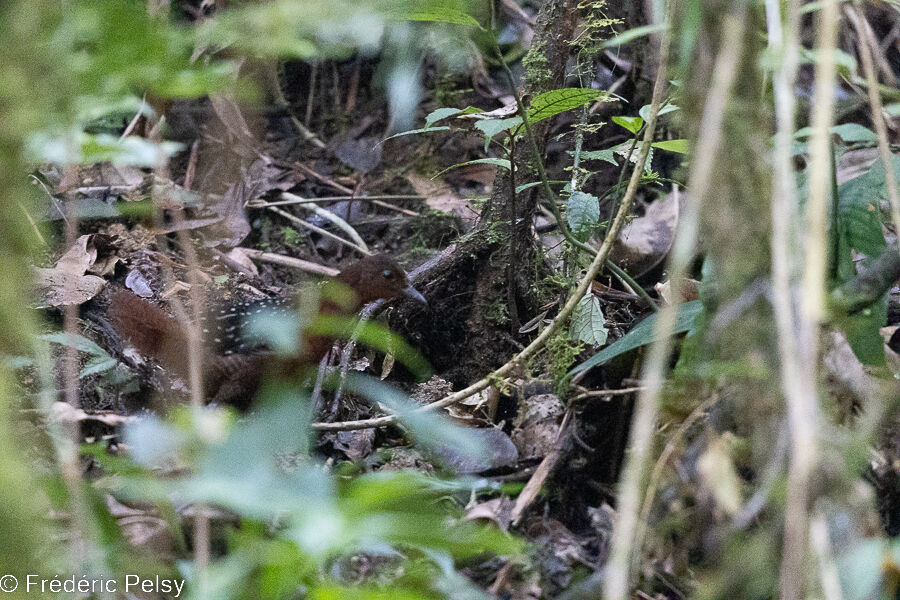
(552,203)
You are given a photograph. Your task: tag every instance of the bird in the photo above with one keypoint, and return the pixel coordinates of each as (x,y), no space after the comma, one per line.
(234,364)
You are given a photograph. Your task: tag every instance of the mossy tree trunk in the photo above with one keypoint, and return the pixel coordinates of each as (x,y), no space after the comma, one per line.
(483,288)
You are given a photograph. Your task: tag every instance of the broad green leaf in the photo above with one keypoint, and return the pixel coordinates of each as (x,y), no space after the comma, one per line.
(583,214)
(497,162)
(100,360)
(623,150)
(438,114)
(491,127)
(97,365)
(860,231)
(854,132)
(644,113)
(78,342)
(641,335)
(679,146)
(632,124)
(588,324)
(609,155)
(551,103)
(849,132)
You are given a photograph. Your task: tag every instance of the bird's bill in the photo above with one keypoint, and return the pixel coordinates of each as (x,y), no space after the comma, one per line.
(411,292)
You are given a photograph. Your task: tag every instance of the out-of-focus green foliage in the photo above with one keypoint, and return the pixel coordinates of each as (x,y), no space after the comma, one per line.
(305,518)
(72,71)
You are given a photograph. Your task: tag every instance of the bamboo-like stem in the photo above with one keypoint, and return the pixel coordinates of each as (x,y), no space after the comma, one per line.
(803,403)
(618,569)
(878,119)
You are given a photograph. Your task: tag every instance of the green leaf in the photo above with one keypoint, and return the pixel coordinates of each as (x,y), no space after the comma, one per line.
(498,162)
(440,14)
(528,186)
(859,229)
(632,34)
(417,131)
(679,146)
(667,108)
(583,214)
(854,132)
(849,132)
(491,127)
(609,155)
(98,365)
(554,102)
(588,324)
(100,362)
(78,342)
(642,334)
(440,113)
(632,124)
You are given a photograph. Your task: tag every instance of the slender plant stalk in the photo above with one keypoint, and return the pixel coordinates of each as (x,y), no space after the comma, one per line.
(820,544)
(884,150)
(552,200)
(803,403)
(618,569)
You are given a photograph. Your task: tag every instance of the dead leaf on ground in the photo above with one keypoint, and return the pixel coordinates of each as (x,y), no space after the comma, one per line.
(361,155)
(537,426)
(646,241)
(66,282)
(496,510)
(143,529)
(854,163)
(690,290)
(501,453)
(356,444)
(439,196)
(240,258)
(100,180)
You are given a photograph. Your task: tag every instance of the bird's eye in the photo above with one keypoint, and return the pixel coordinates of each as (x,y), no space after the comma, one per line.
(387,273)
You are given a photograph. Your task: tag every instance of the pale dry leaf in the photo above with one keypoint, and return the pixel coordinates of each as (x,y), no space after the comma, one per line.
(66,282)
(439,197)
(645,242)
(240,258)
(497,510)
(690,290)
(537,426)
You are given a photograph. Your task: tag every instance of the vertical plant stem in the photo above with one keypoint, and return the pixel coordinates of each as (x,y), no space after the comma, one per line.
(802,403)
(878,119)
(618,570)
(820,543)
(195,353)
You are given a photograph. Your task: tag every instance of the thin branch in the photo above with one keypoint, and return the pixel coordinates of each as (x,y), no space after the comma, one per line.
(289,261)
(329,216)
(803,402)
(878,119)
(319,230)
